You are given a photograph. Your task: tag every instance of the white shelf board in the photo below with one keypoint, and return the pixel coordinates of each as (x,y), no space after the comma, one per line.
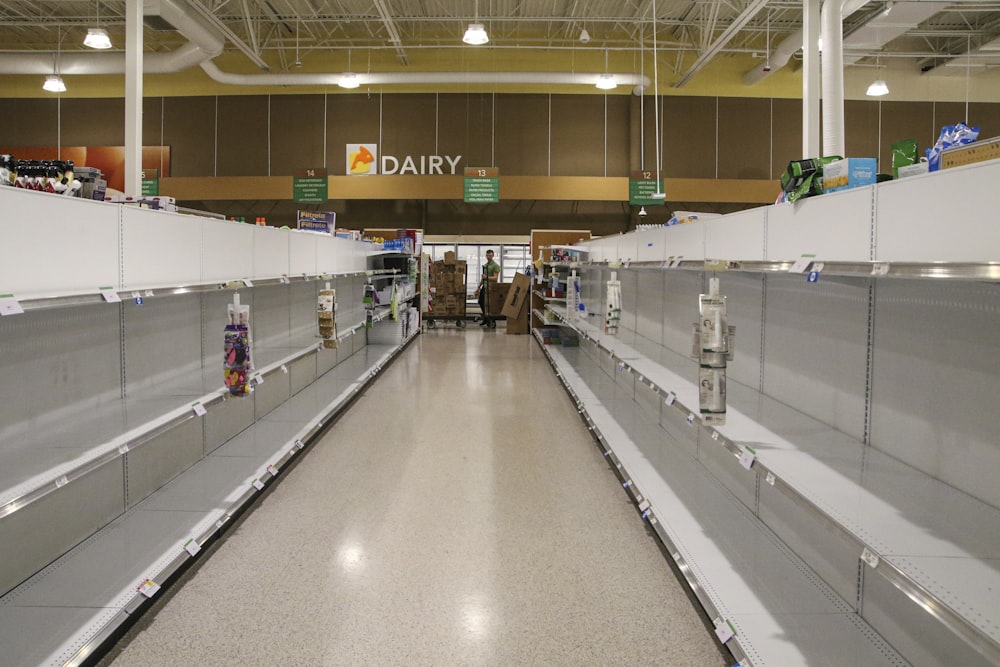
(751,579)
(78,595)
(885,504)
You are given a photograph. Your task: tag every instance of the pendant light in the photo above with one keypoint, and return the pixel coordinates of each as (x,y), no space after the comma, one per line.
(877,88)
(349,79)
(53,82)
(97,38)
(476,34)
(606,81)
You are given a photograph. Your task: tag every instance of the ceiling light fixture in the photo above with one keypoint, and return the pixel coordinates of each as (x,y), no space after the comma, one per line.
(476,35)
(54,84)
(877,89)
(606,82)
(97,38)
(349,80)
(584,36)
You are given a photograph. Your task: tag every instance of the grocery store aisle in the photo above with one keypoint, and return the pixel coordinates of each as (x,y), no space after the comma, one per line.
(458,514)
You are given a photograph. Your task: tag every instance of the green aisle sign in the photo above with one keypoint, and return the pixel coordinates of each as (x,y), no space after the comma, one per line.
(641,187)
(482,185)
(309,186)
(150,182)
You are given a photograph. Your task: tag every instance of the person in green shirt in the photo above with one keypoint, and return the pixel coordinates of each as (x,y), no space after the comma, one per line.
(491,274)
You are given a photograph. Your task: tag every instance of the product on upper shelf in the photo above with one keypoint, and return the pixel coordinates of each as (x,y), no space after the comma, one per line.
(804,178)
(951,135)
(904,154)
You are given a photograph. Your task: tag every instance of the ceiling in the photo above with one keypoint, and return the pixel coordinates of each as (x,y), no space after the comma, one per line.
(697,42)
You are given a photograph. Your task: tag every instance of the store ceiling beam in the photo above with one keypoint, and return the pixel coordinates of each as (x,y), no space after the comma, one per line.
(751,10)
(250,53)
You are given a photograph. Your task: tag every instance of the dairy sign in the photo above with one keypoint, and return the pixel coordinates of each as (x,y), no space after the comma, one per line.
(363,160)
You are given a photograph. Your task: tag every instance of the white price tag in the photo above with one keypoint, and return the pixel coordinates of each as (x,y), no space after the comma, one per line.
(9,305)
(676,261)
(259,379)
(715,435)
(869,557)
(123,449)
(192,547)
(653,521)
(747,457)
(110,295)
(627,484)
(148,588)
(62,481)
(248,282)
(199,409)
(284,279)
(770,479)
(724,631)
(259,485)
(690,418)
(880,269)
(284,368)
(671,397)
(644,505)
(274,471)
(802,263)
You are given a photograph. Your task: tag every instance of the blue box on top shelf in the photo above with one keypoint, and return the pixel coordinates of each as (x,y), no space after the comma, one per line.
(850,172)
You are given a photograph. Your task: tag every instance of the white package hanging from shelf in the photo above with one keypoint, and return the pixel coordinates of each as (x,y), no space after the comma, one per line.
(614,305)
(326,315)
(237,363)
(573,302)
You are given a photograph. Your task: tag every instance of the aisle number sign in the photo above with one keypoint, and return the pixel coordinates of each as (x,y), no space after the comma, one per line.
(309,186)
(641,186)
(482,185)
(150,182)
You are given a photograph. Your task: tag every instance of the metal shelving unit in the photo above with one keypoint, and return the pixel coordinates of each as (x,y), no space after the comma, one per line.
(850,433)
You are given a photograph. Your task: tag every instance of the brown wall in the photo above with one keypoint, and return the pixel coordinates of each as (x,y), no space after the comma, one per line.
(533,135)
(523,135)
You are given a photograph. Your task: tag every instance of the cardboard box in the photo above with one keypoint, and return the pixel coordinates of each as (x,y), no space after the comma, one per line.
(517,296)
(498,297)
(449,257)
(521,324)
(852,172)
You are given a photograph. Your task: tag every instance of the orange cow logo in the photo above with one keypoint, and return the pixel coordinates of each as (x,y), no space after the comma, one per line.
(361,159)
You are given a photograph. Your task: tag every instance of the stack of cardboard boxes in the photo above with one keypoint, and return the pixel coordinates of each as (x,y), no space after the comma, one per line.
(447,286)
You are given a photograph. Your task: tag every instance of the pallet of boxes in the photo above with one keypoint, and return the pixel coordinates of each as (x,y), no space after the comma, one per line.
(446,289)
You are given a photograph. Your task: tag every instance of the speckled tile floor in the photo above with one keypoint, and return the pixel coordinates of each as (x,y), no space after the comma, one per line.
(458,514)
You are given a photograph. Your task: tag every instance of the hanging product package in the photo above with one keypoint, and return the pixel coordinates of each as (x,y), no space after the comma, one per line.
(237,364)
(326,316)
(614,305)
(369,299)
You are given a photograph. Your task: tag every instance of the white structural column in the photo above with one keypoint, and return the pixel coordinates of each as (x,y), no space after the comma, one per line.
(810,78)
(832,18)
(133,98)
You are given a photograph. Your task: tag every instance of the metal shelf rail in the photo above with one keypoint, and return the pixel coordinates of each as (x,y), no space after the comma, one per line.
(65,612)
(766,605)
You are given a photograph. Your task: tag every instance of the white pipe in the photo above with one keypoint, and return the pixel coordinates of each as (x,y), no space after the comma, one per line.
(832,61)
(206,43)
(386,78)
(133,98)
(787,48)
(810,79)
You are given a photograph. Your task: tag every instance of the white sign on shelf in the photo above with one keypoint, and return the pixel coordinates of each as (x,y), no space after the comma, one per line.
(880,269)
(192,547)
(9,305)
(148,588)
(869,557)
(110,295)
(747,457)
(259,485)
(802,263)
(199,409)
(258,378)
(724,630)
(274,471)
(770,479)
(247,282)
(671,397)
(690,418)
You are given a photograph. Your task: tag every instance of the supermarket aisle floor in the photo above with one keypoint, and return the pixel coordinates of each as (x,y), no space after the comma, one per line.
(458,514)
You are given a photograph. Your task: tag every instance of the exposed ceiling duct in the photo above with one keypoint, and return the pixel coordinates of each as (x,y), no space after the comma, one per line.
(415,78)
(787,48)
